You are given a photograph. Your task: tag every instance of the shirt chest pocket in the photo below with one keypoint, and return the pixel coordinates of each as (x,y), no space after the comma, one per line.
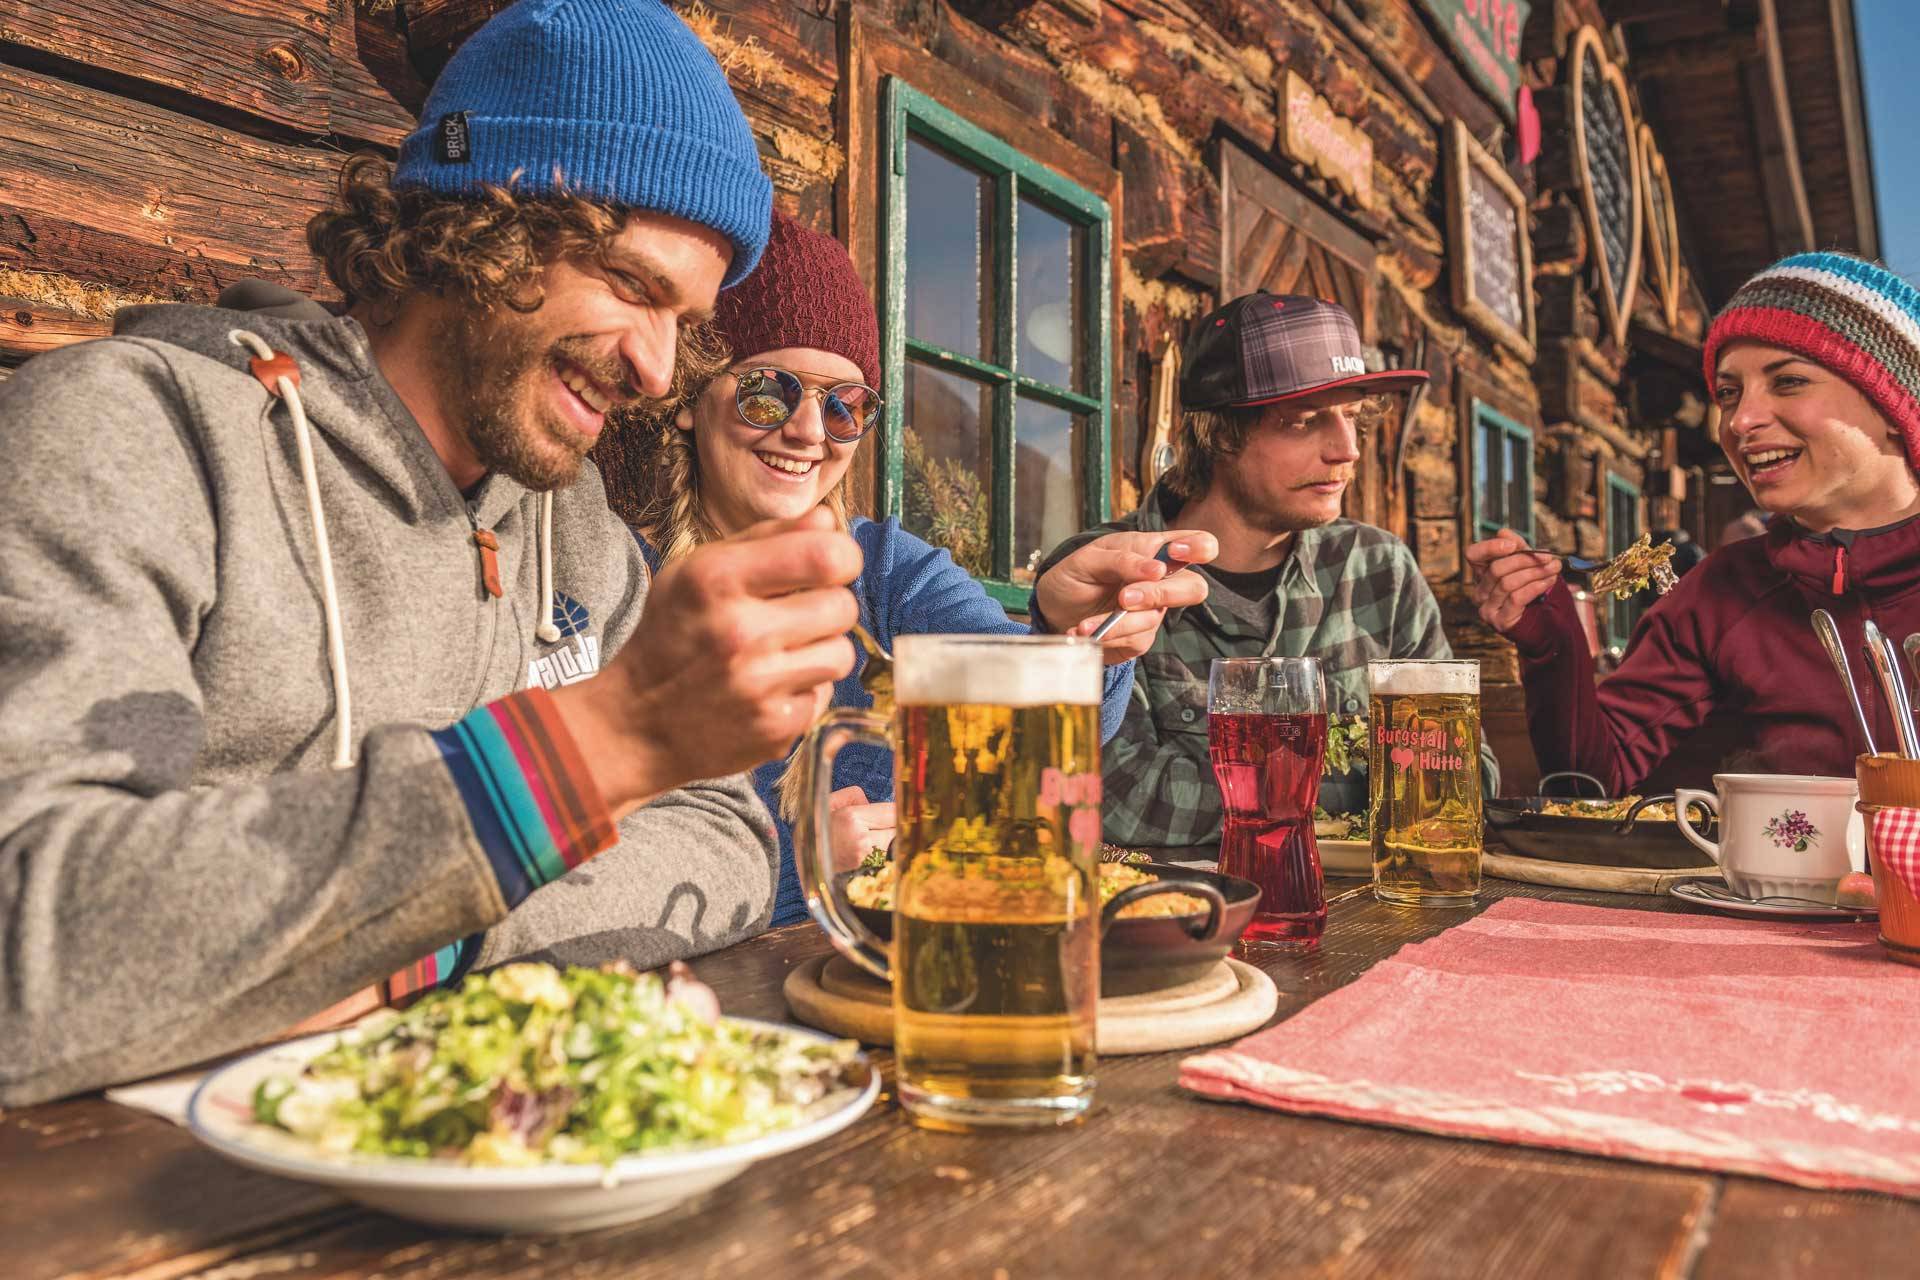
(1176,696)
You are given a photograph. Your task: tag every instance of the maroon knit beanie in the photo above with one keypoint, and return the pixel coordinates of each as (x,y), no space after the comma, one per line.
(804,293)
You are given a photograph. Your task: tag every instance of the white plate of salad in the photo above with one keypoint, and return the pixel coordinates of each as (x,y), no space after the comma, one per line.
(535,1099)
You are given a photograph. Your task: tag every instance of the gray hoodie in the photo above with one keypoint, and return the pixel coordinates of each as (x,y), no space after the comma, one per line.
(182,872)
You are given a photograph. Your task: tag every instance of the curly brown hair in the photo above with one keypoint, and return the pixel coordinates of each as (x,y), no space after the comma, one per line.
(380,245)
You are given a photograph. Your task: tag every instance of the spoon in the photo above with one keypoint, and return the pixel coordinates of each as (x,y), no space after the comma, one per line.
(1112,620)
(1829,632)
(1886,665)
(877,676)
(1911,647)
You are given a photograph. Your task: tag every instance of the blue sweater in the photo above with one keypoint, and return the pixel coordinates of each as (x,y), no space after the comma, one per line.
(906,588)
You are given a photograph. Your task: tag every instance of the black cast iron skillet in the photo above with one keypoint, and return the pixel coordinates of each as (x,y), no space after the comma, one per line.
(1631,841)
(1146,953)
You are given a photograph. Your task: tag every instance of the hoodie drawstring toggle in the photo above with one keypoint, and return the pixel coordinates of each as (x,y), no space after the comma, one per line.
(489,561)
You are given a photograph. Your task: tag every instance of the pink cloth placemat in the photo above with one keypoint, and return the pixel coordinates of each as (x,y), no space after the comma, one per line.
(1791,1051)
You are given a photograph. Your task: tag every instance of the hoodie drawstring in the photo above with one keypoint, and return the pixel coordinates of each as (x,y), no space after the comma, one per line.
(546,631)
(281,377)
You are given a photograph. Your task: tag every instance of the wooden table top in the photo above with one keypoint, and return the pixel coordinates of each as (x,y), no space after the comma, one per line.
(1155,1181)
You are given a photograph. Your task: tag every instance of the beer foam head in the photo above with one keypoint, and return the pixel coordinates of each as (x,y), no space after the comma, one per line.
(1002,671)
(1400,679)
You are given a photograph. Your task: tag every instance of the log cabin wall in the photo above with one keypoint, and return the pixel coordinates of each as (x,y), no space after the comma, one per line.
(161,150)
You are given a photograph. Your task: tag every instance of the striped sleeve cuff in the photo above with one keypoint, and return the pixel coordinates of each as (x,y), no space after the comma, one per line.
(534,806)
(444,968)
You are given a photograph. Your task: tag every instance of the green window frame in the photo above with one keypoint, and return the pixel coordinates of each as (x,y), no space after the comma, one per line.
(1498,441)
(907,113)
(1622,614)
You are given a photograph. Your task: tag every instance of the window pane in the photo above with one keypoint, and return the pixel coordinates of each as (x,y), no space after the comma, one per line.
(949,253)
(948,446)
(1053,340)
(1048,480)
(1488,493)
(1519,483)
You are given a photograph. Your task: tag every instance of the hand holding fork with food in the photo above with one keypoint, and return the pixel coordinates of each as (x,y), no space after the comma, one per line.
(1509,574)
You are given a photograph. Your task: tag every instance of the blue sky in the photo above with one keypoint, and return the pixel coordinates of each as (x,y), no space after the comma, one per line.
(1889,35)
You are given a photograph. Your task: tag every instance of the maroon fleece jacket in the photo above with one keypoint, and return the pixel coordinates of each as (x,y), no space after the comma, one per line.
(1726,663)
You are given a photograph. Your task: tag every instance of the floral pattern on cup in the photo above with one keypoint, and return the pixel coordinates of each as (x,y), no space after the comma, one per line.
(1791,830)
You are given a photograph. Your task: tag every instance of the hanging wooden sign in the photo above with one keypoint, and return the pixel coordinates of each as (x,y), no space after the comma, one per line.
(1663,226)
(1313,133)
(1490,246)
(1485,35)
(1607,164)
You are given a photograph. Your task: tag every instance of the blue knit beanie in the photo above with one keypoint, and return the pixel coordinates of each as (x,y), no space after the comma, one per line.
(618,95)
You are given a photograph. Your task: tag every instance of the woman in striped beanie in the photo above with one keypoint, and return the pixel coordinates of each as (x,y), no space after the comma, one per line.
(1815,368)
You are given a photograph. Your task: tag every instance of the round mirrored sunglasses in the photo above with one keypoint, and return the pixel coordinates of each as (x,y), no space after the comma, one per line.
(767,397)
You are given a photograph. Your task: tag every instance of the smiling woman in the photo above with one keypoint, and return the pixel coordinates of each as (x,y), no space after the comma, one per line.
(1815,364)
(772,435)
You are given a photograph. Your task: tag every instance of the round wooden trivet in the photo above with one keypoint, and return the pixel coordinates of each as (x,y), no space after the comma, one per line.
(841,977)
(828,992)
(1579,875)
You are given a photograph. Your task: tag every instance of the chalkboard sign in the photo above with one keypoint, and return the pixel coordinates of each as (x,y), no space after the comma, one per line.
(1491,249)
(1662,235)
(1607,159)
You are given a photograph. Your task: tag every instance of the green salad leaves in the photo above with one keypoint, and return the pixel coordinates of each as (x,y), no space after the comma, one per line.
(529,1064)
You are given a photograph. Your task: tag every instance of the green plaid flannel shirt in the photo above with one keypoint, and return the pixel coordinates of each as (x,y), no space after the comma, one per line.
(1348,592)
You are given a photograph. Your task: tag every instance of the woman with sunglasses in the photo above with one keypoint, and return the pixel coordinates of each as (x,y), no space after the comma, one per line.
(772,436)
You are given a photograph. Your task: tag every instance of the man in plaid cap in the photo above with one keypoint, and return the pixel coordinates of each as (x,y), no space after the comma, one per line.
(1276,401)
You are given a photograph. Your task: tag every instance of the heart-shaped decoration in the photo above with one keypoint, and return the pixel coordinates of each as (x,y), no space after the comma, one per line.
(1402,757)
(1662,235)
(1607,157)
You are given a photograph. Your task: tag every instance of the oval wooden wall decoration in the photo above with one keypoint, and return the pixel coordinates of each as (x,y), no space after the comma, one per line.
(1663,226)
(1607,160)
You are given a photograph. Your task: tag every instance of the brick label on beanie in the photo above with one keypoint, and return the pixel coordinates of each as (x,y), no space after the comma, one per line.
(453,144)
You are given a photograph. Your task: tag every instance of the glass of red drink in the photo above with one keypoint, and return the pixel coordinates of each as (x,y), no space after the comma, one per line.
(1267,735)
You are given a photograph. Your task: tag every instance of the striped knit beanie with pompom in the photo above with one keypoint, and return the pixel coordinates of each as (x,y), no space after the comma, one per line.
(1843,313)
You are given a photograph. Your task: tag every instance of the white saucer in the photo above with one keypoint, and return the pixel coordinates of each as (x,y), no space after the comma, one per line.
(1695,891)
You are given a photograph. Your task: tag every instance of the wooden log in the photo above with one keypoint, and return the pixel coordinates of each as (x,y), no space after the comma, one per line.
(1154,238)
(29,328)
(376,92)
(269,58)
(1559,234)
(108,190)
(435,28)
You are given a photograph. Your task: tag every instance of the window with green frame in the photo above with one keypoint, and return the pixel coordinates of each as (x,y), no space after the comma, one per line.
(1502,473)
(996,321)
(1623,526)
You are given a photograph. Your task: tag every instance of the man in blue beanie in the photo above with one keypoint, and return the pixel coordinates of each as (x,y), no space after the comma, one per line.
(349,673)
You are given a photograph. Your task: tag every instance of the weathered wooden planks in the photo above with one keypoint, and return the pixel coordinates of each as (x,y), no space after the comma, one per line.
(105,189)
(269,58)
(29,328)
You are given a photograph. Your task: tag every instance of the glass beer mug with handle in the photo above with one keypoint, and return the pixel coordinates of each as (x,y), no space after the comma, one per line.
(1423,731)
(995,957)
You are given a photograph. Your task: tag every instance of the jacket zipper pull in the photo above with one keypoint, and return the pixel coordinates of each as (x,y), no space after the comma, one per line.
(1840,570)
(489,561)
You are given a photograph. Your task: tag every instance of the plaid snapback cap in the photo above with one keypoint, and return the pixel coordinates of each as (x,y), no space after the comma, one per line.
(1268,348)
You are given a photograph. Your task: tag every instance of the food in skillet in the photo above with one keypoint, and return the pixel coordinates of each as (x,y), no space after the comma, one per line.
(529,1064)
(873,888)
(1634,569)
(1608,810)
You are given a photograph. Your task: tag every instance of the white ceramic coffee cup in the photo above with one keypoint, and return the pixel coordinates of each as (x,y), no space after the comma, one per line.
(1781,835)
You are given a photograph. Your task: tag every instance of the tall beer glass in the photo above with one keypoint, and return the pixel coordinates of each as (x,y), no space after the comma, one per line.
(1424,757)
(995,960)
